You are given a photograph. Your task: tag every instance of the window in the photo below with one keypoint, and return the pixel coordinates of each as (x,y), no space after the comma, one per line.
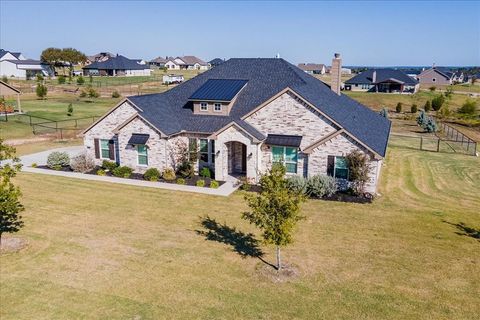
(288,156)
(433,80)
(142,154)
(341,168)
(203,106)
(218,107)
(104,149)
(204,150)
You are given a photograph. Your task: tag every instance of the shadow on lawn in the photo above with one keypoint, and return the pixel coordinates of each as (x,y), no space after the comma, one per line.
(464,230)
(244,244)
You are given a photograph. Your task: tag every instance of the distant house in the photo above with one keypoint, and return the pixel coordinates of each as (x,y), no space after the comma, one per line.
(173,78)
(440,76)
(216,62)
(117,66)
(382,80)
(158,62)
(186,63)
(14,64)
(313,68)
(99,57)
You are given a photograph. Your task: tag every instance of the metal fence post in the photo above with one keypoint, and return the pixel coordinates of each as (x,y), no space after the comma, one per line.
(438,145)
(421,143)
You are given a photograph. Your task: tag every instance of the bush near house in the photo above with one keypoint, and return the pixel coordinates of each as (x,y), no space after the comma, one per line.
(109,165)
(152,174)
(358,168)
(122,172)
(169,174)
(200,183)
(205,172)
(214,184)
(101,172)
(58,159)
(321,185)
(82,162)
(181,181)
(185,170)
(297,184)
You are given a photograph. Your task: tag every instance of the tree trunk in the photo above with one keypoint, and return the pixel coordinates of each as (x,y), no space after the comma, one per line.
(279,263)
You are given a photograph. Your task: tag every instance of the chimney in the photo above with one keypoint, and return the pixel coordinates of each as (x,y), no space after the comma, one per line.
(374,76)
(336,72)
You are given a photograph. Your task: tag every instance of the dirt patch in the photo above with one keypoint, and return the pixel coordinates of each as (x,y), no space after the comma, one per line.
(9,245)
(287,273)
(17,142)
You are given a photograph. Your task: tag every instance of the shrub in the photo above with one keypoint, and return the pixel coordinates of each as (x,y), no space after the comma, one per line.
(437,102)
(41,91)
(82,162)
(39,77)
(115,94)
(101,172)
(214,184)
(428,106)
(5,79)
(432,88)
(57,167)
(181,181)
(422,119)
(169,174)
(200,183)
(413,108)
(246,185)
(92,93)
(152,174)
(297,184)
(122,172)
(469,107)
(57,158)
(69,109)
(61,80)
(430,125)
(398,108)
(358,168)
(83,94)
(321,185)
(34,165)
(448,92)
(185,170)
(109,165)
(80,80)
(205,172)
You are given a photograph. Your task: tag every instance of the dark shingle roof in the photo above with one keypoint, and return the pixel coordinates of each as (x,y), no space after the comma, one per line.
(311,66)
(4,52)
(171,112)
(138,138)
(283,140)
(117,63)
(28,61)
(382,75)
(216,62)
(219,89)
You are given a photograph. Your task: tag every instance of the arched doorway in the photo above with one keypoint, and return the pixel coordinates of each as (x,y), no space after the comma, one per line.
(237,158)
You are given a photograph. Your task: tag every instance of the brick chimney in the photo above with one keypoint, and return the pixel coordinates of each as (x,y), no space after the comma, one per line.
(336,72)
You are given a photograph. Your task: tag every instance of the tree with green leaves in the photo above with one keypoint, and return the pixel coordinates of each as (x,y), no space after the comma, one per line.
(358,171)
(69,109)
(276,210)
(428,106)
(41,90)
(10,206)
(57,57)
(437,102)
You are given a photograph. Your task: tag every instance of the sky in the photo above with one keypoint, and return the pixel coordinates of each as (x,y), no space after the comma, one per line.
(374,33)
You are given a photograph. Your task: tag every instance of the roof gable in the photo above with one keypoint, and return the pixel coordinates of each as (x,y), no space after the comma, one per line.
(117,63)
(382,75)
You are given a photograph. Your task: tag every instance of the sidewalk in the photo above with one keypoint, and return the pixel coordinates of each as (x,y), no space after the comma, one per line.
(41,159)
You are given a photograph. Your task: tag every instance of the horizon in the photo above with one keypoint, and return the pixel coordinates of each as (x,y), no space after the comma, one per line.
(206,29)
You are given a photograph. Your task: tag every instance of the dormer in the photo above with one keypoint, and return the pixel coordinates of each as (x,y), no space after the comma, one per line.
(216,96)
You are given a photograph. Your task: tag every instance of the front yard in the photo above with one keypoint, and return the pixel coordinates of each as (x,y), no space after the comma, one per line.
(125,252)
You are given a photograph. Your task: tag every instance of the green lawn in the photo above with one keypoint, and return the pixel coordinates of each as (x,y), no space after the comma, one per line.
(125,252)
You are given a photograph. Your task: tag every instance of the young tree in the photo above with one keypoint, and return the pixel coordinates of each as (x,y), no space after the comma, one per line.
(437,102)
(428,106)
(398,108)
(413,108)
(10,206)
(469,107)
(358,168)
(69,110)
(41,90)
(80,80)
(276,210)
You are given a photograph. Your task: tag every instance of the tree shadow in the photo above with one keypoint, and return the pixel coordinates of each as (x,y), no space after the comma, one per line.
(242,243)
(464,230)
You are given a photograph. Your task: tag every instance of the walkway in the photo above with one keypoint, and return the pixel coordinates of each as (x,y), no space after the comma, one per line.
(41,159)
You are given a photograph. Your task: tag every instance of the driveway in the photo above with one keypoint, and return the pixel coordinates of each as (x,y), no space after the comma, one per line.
(40,158)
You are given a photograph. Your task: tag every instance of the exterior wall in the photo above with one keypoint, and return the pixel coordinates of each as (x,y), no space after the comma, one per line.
(428,77)
(9,56)
(104,128)
(172,65)
(211,111)
(359,87)
(10,69)
(143,72)
(342,145)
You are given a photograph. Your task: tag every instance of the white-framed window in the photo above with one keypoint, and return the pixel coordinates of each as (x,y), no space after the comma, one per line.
(104,149)
(288,156)
(142,155)
(203,106)
(203,150)
(217,107)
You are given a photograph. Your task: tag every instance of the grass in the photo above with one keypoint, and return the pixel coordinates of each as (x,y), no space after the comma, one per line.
(125,252)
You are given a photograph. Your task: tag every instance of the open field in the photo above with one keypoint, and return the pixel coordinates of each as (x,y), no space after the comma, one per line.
(463,87)
(130,253)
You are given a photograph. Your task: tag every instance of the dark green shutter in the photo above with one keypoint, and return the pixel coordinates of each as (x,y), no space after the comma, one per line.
(111,149)
(330,165)
(97,148)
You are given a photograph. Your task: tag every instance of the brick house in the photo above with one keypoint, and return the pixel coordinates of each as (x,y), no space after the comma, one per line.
(240,117)
(440,76)
(383,80)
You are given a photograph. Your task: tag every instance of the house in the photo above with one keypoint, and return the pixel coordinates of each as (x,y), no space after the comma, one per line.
(239,118)
(7,90)
(117,66)
(173,78)
(215,62)
(440,76)
(186,63)
(14,64)
(382,80)
(99,57)
(313,68)
(158,62)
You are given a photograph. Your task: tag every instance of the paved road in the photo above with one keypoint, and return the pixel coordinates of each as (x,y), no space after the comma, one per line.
(40,158)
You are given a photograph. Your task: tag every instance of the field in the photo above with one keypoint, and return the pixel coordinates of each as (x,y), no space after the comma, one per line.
(124,252)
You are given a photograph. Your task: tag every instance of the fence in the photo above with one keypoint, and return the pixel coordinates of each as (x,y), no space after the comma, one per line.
(432,143)
(453,136)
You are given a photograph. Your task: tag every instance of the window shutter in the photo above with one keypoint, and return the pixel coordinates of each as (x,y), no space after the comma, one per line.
(97,148)
(330,165)
(111,149)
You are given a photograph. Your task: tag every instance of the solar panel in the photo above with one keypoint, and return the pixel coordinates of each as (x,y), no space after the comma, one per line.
(218,90)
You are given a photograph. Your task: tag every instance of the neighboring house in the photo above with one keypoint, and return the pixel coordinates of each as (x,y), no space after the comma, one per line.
(173,78)
(7,90)
(14,64)
(239,118)
(440,76)
(117,66)
(215,62)
(186,63)
(158,62)
(313,68)
(382,80)
(99,57)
